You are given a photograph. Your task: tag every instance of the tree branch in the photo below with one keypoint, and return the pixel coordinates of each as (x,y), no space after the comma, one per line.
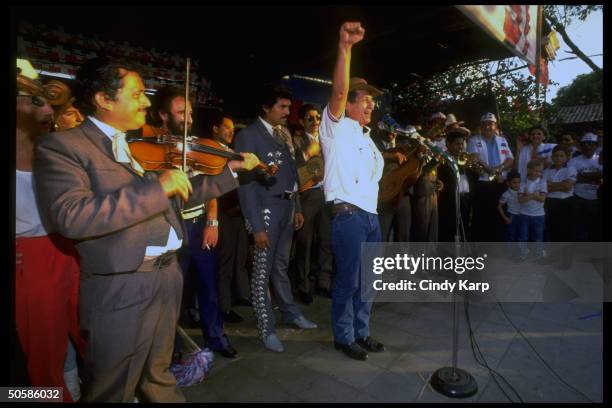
(561,30)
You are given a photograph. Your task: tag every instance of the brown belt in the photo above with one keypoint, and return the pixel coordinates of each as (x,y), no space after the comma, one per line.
(343,207)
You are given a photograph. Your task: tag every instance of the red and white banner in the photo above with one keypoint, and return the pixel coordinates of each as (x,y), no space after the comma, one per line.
(514,25)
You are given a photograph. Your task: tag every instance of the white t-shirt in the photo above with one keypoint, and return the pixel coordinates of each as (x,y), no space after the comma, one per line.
(510,198)
(27,221)
(532,207)
(584,165)
(353,163)
(558,175)
(544,154)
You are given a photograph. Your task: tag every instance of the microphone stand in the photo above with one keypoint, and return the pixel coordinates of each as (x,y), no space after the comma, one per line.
(451,381)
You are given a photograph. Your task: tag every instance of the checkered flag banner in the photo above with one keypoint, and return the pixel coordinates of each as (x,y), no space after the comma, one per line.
(514,25)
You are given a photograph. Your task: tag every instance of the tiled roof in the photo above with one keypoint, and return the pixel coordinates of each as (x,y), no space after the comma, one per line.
(580,114)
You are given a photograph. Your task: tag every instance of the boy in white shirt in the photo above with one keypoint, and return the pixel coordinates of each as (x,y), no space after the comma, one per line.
(512,214)
(532,195)
(560,180)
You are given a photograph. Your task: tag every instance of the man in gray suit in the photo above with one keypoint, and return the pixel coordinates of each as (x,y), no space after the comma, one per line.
(272,210)
(127,226)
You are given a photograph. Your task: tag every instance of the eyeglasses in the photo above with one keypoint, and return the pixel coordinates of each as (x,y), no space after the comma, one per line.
(311,119)
(36,100)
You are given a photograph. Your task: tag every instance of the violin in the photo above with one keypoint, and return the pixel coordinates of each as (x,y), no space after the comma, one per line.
(157,150)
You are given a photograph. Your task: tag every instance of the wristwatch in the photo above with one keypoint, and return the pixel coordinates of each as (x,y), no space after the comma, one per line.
(212,223)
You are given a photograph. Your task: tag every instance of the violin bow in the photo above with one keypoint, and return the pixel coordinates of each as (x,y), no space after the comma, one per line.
(186,114)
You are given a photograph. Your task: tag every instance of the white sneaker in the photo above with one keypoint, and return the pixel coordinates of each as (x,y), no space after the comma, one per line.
(304,323)
(73,383)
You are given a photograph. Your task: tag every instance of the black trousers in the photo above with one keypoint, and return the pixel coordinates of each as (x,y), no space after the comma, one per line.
(588,226)
(487,226)
(315,232)
(559,219)
(233,249)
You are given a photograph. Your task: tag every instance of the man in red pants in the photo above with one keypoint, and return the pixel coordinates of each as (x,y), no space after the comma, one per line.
(47,270)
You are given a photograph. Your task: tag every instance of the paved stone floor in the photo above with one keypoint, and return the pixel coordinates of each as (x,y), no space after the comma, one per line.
(418,340)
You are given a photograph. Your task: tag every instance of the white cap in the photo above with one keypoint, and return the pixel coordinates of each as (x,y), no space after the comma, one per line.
(589,137)
(488,117)
(438,115)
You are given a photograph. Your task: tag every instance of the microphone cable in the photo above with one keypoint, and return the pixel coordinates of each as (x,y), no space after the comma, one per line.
(569,386)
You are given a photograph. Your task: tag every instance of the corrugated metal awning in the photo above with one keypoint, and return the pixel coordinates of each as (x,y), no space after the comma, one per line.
(580,114)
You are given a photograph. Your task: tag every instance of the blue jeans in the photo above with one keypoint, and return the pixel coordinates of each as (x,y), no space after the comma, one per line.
(350,312)
(513,233)
(532,229)
(205,264)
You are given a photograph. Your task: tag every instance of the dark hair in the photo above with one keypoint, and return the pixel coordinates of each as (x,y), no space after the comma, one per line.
(512,175)
(162,101)
(561,134)
(271,94)
(531,129)
(564,149)
(352,96)
(98,75)
(304,109)
(215,118)
(454,135)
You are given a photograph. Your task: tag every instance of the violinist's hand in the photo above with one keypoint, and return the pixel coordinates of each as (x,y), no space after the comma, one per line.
(249,163)
(400,158)
(175,182)
(261,240)
(298,221)
(351,33)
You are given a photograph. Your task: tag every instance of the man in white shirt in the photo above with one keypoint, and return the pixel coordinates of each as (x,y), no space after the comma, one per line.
(353,168)
(493,152)
(128,226)
(589,173)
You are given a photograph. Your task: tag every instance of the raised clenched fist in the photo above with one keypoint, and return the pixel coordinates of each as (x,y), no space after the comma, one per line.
(351,33)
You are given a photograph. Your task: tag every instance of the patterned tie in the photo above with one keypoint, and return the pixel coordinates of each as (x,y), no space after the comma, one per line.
(122,153)
(284,138)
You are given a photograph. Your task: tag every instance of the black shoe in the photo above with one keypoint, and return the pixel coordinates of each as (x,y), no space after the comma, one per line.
(305,298)
(351,350)
(243,302)
(232,317)
(228,352)
(370,344)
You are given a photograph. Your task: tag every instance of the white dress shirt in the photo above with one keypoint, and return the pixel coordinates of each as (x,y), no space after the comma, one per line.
(544,153)
(353,163)
(173,241)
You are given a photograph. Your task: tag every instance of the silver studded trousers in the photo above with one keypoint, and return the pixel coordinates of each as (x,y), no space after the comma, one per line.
(271,264)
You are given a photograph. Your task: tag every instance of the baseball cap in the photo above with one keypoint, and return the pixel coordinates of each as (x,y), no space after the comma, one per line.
(488,117)
(589,137)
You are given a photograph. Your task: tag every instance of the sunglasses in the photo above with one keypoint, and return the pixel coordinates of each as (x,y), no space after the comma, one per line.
(311,119)
(36,100)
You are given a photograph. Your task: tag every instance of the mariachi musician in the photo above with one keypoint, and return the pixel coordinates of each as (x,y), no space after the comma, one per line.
(127,223)
(316,219)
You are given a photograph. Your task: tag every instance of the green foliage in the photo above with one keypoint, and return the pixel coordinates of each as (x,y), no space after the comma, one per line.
(567,14)
(512,89)
(584,89)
